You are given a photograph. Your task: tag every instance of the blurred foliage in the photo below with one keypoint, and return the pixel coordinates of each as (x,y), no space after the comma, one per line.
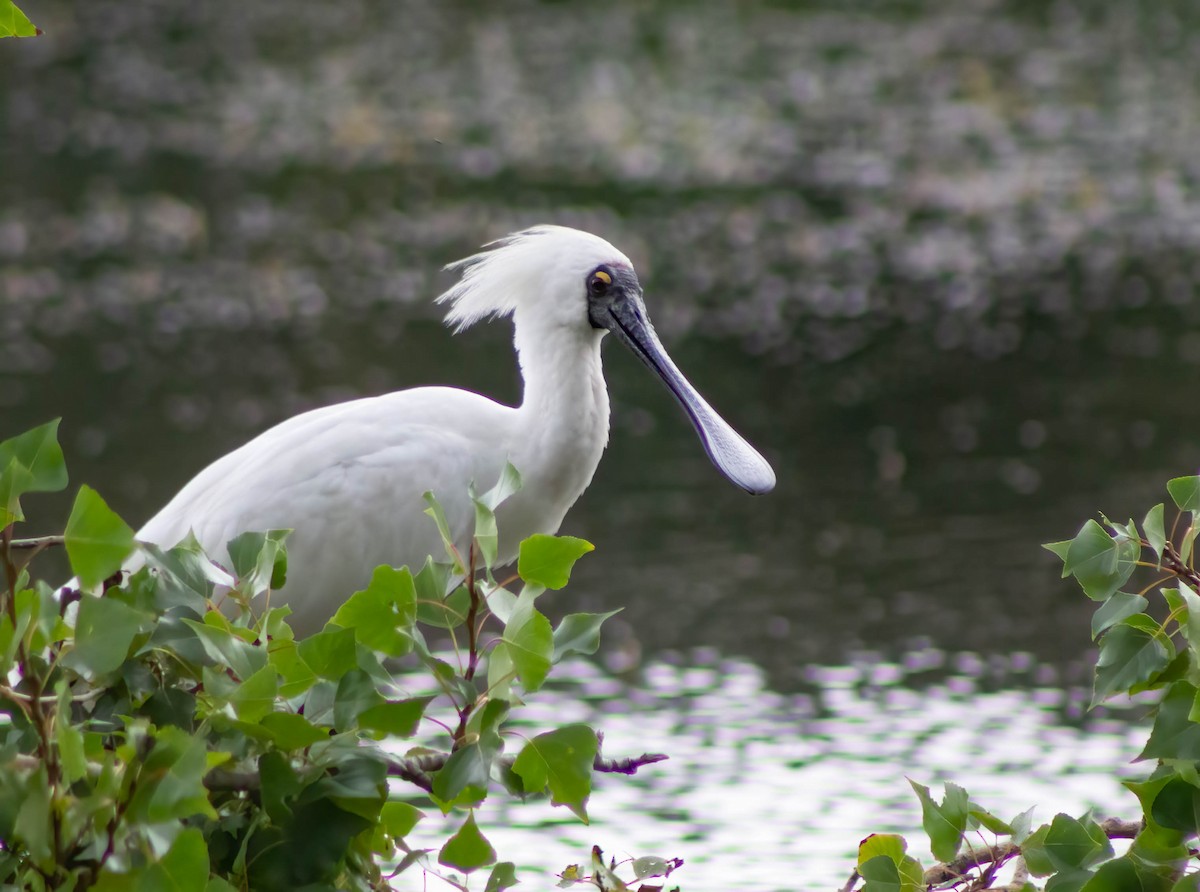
(159,730)
(1145,648)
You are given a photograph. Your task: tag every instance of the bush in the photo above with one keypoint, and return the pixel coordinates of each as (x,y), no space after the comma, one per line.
(169,734)
(1144,647)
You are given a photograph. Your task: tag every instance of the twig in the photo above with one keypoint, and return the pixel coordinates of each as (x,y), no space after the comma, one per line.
(38,542)
(957,869)
(628,765)
(414,769)
(993,857)
(1172,561)
(851,883)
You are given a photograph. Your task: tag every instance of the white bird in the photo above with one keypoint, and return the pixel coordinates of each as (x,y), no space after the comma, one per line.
(349,479)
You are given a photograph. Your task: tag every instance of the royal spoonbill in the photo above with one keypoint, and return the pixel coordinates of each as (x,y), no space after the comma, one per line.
(349,479)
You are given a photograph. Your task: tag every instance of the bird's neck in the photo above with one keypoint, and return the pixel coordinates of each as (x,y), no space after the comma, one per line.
(564,412)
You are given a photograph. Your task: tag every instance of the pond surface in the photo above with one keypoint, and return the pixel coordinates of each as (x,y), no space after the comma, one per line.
(939,263)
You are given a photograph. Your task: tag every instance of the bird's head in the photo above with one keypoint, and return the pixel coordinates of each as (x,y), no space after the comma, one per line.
(555,280)
(549,276)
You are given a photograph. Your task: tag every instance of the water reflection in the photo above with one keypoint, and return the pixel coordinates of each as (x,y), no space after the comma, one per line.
(766,791)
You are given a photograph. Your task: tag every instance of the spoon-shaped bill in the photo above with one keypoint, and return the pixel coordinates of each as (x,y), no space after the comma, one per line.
(733,456)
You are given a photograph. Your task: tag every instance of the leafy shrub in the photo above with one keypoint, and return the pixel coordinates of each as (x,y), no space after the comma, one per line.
(1145,646)
(168,734)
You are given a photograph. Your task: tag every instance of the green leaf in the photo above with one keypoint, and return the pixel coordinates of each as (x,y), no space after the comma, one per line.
(1022,824)
(296,676)
(501,672)
(882,873)
(225,648)
(291,731)
(98,542)
(1127,874)
(359,786)
(1188,542)
(1099,562)
(1118,607)
(508,485)
(503,876)
(1191,626)
(1131,652)
(259,559)
(186,574)
(1158,845)
(433,581)
(547,560)
(32,825)
(889,845)
(467,850)
(650,866)
(255,697)
(1177,807)
(104,631)
(171,780)
(32,461)
(356,693)
(447,612)
(1060,549)
(563,760)
(945,823)
(183,869)
(280,784)
(579,633)
(487,537)
(485,511)
(399,818)
(13,23)
(1186,492)
(530,643)
(1065,846)
(989,821)
(463,780)
(331,653)
(1154,529)
(383,613)
(1173,735)
(439,518)
(399,718)
(70,742)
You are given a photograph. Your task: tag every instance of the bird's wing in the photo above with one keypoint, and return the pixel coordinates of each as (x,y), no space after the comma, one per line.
(349,480)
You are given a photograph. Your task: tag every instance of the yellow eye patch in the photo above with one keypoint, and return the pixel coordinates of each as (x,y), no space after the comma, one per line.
(603,277)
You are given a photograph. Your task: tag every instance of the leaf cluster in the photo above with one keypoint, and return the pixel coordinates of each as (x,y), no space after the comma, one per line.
(1146,624)
(161,726)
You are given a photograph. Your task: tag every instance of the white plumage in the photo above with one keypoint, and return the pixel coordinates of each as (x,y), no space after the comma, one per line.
(349,479)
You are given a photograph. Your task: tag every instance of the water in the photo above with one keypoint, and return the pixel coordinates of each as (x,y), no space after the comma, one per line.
(768,791)
(938,262)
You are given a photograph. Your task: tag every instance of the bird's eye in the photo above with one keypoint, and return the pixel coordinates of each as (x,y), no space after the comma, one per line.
(599,283)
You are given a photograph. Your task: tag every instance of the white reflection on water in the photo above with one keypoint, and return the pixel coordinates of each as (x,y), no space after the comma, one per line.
(771,792)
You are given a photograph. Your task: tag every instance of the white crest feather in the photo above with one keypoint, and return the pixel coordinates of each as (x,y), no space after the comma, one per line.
(511,270)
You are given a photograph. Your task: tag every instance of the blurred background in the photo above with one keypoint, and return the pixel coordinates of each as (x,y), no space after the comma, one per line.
(938,261)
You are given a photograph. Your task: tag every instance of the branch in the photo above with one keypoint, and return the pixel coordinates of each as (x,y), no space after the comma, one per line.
(1174,563)
(994,857)
(39,542)
(626,766)
(957,869)
(414,769)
